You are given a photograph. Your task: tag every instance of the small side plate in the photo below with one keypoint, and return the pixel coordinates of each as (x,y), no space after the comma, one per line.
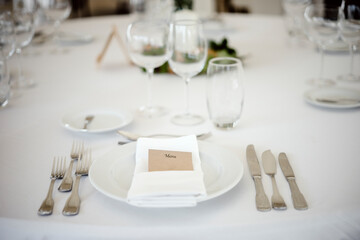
(333,97)
(104,120)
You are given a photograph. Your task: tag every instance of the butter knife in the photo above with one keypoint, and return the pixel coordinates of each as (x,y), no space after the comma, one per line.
(262,201)
(297,197)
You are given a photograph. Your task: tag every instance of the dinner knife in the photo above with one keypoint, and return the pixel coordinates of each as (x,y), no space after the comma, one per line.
(297,197)
(262,201)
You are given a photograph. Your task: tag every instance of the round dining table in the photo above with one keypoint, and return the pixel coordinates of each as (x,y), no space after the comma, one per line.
(321,141)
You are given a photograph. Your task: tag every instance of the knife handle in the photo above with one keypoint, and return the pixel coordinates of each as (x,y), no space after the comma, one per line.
(297,197)
(262,201)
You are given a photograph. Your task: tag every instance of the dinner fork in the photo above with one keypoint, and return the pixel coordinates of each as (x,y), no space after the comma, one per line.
(76,151)
(57,172)
(72,205)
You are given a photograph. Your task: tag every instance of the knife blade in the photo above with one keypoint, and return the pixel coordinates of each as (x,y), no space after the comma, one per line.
(262,201)
(297,197)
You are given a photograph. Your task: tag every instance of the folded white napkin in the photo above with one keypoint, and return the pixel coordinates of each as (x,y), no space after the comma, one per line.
(166,188)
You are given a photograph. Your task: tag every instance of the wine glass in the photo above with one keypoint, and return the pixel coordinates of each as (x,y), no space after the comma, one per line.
(188,56)
(7,35)
(321,28)
(24,28)
(349,25)
(148,44)
(55,11)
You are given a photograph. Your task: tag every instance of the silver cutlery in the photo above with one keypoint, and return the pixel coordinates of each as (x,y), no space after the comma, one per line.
(297,197)
(72,205)
(262,201)
(76,151)
(57,172)
(88,120)
(134,137)
(269,164)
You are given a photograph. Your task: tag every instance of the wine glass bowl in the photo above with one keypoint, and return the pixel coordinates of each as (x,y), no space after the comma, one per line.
(188,57)
(349,27)
(55,12)
(148,45)
(7,35)
(24,29)
(321,28)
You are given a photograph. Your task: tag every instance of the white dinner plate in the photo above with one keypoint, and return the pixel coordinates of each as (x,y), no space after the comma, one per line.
(333,97)
(112,173)
(103,121)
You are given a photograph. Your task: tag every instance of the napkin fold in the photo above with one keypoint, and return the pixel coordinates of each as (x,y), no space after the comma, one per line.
(166,188)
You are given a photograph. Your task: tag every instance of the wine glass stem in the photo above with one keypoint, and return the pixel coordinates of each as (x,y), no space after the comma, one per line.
(150,73)
(351,51)
(19,65)
(187,95)
(321,48)
(57,26)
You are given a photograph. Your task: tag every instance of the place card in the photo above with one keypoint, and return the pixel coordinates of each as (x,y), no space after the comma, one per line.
(163,160)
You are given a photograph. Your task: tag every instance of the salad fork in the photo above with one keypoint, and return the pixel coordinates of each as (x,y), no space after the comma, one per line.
(57,172)
(76,151)
(72,205)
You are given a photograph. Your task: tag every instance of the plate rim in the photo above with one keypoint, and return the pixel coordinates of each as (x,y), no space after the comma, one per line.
(202,144)
(128,117)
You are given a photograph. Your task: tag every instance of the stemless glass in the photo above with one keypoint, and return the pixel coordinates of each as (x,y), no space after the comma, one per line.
(148,43)
(349,25)
(294,17)
(188,56)
(321,28)
(55,11)
(7,35)
(225,92)
(23,16)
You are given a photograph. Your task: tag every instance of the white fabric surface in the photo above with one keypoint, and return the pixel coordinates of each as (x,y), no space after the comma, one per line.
(322,144)
(166,188)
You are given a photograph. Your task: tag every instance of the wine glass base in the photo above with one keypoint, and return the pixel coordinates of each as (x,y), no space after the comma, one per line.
(321,82)
(22,82)
(348,78)
(187,119)
(152,111)
(226,126)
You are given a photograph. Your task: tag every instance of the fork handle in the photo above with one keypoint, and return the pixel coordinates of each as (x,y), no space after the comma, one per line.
(66,183)
(72,204)
(262,201)
(47,205)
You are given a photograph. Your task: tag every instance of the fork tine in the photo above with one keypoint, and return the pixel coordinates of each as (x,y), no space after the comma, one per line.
(81,150)
(53,168)
(73,147)
(63,170)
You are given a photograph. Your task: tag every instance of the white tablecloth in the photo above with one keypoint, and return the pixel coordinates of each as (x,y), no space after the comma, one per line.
(322,144)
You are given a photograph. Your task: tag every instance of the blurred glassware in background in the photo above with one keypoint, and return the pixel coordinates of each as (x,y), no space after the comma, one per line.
(294,17)
(4,81)
(55,12)
(322,28)
(225,92)
(148,44)
(188,57)
(23,17)
(7,35)
(152,9)
(349,25)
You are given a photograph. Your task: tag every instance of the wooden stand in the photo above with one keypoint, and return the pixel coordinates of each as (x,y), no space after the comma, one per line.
(114,33)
